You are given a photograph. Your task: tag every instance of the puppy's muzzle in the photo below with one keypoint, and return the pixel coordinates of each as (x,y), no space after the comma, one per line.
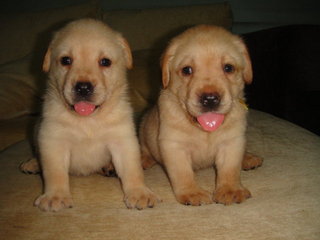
(83,99)
(83,90)
(210,101)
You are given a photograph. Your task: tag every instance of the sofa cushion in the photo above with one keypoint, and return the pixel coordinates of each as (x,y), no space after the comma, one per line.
(21,88)
(153,28)
(285,203)
(16,129)
(144,79)
(22,33)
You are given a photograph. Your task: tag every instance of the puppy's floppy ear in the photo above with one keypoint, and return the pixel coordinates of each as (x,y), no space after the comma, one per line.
(127,51)
(165,64)
(247,71)
(47,61)
(47,58)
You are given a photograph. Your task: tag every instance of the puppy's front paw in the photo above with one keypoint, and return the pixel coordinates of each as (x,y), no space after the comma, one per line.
(54,202)
(228,195)
(194,197)
(141,198)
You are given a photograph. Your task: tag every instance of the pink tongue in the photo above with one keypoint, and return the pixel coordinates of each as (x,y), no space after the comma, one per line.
(84,108)
(210,121)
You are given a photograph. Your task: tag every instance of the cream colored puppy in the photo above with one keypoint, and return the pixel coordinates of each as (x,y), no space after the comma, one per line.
(87,119)
(200,118)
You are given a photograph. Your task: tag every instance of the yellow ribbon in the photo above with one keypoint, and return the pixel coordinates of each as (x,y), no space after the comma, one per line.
(243,103)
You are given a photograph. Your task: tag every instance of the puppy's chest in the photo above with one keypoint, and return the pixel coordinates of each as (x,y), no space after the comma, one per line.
(88,154)
(90,140)
(88,161)
(204,150)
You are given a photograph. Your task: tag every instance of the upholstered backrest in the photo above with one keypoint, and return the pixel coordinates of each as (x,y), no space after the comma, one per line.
(152,28)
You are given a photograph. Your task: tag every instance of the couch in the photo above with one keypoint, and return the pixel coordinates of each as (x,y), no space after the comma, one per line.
(286,196)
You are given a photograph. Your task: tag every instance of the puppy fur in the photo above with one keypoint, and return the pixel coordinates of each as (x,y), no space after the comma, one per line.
(87,51)
(198,62)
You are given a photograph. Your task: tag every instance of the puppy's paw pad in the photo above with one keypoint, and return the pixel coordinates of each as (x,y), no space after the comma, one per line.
(141,198)
(251,161)
(228,195)
(196,197)
(53,203)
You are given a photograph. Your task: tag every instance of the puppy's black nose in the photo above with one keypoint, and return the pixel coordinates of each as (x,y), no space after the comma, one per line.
(83,89)
(210,101)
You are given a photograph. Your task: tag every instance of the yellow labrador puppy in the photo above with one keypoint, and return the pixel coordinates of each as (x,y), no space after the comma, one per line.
(87,119)
(200,118)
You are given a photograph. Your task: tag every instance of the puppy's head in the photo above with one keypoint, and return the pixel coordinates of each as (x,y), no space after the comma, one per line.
(86,62)
(206,67)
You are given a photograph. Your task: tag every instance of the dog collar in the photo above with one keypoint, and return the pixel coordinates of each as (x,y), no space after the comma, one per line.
(243,103)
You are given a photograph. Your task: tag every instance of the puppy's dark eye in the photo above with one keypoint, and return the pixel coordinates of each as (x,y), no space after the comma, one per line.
(66,61)
(228,68)
(187,71)
(105,62)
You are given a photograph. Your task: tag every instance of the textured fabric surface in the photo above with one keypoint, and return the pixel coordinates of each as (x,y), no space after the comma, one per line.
(16,129)
(285,202)
(22,84)
(22,33)
(144,79)
(153,28)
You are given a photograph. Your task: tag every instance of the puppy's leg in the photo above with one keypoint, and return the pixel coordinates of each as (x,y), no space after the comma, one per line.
(251,161)
(179,168)
(147,160)
(126,159)
(31,166)
(55,169)
(228,163)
